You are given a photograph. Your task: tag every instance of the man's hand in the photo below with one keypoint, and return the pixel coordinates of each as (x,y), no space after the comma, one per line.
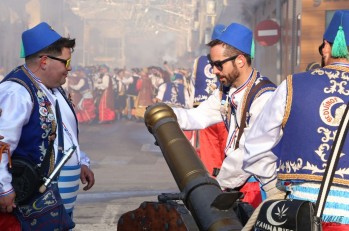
(87,176)
(2,143)
(7,203)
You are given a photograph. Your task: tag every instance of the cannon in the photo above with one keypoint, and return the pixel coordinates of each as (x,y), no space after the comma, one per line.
(205,206)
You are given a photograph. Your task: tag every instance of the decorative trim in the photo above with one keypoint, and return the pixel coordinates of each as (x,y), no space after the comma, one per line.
(262,91)
(311,177)
(337,67)
(247,92)
(288,100)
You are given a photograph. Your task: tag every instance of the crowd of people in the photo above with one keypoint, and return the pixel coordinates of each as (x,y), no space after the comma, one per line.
(267,141)
(103,96)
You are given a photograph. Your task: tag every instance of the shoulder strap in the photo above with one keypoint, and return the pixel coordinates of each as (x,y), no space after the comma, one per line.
(332,163)
(254,93)
(226,112)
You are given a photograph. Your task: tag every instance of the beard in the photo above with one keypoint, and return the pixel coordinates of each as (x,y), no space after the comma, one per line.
(229,79)
(223,80)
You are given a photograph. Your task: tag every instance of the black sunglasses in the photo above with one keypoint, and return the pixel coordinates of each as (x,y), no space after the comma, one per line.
(66,62)
(219,63)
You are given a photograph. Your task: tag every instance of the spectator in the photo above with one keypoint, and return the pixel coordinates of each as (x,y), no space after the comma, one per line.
(173,93)
(105,96)
(80,87)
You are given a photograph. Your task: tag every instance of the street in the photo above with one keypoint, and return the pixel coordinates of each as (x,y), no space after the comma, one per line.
(128,168)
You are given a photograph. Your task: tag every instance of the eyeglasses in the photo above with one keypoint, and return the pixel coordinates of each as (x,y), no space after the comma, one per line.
(219,64)
(66,62)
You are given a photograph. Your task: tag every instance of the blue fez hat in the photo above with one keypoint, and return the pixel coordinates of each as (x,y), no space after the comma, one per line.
(38,38)
(103,66)
(337,33)
(217,31)
(178,76)
(238,36)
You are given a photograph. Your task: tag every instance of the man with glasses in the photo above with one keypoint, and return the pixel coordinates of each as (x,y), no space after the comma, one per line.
(290,142)
(39,124)
(239,99)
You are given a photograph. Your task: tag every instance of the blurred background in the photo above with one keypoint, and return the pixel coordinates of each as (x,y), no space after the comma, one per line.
(138,33)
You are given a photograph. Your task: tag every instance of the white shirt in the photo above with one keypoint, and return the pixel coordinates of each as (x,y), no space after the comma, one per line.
(208,113)
(267,132)
(102,83)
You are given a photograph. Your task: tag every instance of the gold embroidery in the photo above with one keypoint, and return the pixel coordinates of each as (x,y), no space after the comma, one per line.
(262,91)
(338,67)
(288,100)
(310,177)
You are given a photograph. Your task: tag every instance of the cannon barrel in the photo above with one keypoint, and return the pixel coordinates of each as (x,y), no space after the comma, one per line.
(208,204)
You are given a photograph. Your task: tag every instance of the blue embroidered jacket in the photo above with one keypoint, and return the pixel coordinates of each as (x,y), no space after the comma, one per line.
(34,142)
(174,94)
(203,79)
(315,104)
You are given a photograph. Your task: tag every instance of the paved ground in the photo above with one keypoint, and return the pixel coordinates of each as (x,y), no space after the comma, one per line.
(129,169)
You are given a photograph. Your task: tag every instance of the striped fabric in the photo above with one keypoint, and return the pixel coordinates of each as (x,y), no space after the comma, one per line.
(337,203)
(68,184)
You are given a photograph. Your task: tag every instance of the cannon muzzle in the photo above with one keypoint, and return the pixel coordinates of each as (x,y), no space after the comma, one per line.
(202,195)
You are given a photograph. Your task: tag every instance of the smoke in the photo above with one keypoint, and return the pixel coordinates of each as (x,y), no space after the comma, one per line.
(118,33)
(238,12)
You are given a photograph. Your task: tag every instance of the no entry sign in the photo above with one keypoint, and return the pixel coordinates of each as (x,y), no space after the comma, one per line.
(267,33)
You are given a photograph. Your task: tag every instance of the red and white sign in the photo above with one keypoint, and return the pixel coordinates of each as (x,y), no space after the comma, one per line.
(267,33)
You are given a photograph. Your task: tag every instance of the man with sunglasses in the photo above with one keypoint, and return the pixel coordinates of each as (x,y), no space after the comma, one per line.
(242,94)
(39,124)
(289,145)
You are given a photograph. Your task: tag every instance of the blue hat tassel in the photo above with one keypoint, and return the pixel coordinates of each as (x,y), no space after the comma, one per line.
(339,47)
(252,49)
(22,53)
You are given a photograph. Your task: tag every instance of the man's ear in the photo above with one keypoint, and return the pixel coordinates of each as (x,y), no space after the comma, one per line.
(240,61)
(327,47)
(43,61)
